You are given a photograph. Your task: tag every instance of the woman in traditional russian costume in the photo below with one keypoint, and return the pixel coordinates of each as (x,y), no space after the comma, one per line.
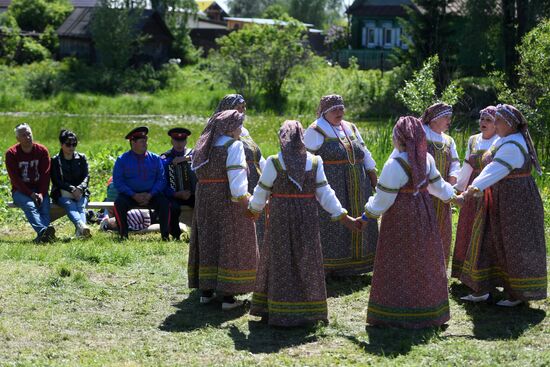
(254,158)
(509,248)
(290,286)
(436,120)
(223,251)
(477,145)
(409,283)
(351,172)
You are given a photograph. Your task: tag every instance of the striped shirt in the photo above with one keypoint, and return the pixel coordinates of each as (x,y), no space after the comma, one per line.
(138,219)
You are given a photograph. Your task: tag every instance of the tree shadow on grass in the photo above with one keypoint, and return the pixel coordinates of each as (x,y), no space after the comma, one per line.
(191,315)
(347,285)
(392,342)
(268,339)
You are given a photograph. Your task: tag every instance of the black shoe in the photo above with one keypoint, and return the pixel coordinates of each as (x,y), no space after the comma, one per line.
(48,235)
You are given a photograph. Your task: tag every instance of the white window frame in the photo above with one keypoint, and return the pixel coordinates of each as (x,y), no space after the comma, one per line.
(369,27)
(387,27)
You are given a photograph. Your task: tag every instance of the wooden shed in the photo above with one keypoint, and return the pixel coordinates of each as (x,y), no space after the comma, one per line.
(75,38)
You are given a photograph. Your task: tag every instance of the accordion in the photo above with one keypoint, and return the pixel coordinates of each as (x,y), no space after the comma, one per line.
(180,177)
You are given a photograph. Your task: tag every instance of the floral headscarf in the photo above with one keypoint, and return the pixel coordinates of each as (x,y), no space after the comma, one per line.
(489,111)
(409,132)
(220,124)
(229,102)
(515,119)
(293,150)
(436,111)
(329,103)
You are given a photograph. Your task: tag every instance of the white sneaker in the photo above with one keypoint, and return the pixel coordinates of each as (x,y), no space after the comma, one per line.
(205,300)
(475,299)
(229,306)
(508,303)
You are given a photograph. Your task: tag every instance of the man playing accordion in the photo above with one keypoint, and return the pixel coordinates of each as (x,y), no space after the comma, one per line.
(181,180)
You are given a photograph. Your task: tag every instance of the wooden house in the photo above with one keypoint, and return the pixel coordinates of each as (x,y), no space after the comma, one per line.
(212,10)
(375,31)
(75,38)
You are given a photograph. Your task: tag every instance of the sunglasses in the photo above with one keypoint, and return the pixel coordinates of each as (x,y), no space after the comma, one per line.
(70,144)
(140,138)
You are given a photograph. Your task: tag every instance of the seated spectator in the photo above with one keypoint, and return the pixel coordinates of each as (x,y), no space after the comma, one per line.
(28,165)
(139,178)
(180,178)
(69,173)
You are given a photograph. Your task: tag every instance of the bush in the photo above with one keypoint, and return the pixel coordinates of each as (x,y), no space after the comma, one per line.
(31,51)
(419,92)
(258,59)
(366,92)
(43,79)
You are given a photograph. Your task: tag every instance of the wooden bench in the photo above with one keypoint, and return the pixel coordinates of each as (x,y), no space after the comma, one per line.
(57,212)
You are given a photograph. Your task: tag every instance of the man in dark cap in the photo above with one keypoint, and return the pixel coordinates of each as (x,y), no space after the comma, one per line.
(139,178)
(181,180)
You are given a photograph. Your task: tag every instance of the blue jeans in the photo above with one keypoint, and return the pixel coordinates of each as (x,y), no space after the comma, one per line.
(76,209)
(37,216)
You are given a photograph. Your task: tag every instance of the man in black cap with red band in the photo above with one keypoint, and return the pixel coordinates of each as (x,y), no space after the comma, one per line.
(139,178)
(181,180)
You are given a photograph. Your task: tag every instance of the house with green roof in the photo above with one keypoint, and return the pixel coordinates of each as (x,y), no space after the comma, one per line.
(375,32)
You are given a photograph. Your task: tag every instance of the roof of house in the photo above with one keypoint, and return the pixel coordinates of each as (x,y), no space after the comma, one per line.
(380,8)
(394,8)
(77,24)
(76,3)
(205,4)
(262,21)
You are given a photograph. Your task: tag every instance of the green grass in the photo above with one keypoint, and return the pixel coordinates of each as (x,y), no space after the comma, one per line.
(100,302)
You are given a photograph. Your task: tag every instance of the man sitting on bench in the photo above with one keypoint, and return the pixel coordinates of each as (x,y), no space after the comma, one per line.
(28,165)
(139,178)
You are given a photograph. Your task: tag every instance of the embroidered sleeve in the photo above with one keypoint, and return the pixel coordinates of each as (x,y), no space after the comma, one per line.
(263,189)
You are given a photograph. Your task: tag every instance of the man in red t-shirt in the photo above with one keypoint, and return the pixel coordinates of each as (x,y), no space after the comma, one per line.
(28,166)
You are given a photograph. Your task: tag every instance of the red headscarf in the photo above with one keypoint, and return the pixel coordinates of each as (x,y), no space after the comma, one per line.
(220,124)
(409,131)
(293,150)
(515,119)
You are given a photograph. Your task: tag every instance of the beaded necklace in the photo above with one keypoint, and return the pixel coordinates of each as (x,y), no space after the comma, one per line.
(343,142)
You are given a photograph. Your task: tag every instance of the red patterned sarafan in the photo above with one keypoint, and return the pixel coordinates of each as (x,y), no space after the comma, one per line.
(223,252)
(508,248)
(290,288)
(345,252)
(468,210)
(409,283)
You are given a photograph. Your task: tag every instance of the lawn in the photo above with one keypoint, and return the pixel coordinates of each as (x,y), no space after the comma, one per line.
(100,302)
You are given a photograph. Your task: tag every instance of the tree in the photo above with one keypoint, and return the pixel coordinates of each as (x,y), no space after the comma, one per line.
(36,15)
(532,93)
(176,14)
(275,11)
(519,17)
(114,32)
(480,38)
(430,32)
(309,11)
(10,37)
(249,8)
(258,59)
